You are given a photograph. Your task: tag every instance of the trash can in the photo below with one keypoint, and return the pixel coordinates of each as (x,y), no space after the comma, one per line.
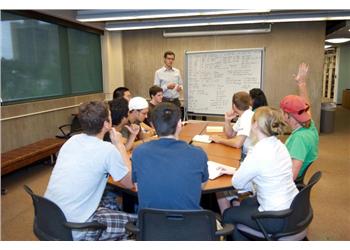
(327,117)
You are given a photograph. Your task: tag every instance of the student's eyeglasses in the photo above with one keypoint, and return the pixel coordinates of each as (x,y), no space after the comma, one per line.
(144,113)
(303,110)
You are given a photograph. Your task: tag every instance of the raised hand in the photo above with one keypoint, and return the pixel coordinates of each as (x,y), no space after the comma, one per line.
(300,78)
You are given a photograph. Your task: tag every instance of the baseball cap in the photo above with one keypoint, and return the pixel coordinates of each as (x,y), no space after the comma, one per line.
(297,107)
(137,103)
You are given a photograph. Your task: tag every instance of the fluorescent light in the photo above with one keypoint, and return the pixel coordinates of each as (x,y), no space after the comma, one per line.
(224,20)
(338,40)
(122,18)
(327,46)
(227,12)
(139,27)
(216,32)
(118,16)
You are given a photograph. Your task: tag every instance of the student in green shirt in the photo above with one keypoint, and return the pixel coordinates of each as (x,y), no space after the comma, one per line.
(302,144)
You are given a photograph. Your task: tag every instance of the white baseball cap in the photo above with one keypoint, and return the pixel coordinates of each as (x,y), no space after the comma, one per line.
(137,103)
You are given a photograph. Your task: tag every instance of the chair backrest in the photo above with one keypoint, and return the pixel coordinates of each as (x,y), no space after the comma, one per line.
(174,225)
(300,179)
(48,219)
(75,125)
(302,213)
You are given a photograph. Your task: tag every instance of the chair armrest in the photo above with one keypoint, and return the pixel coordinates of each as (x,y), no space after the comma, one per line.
(132,228)
(269,215)
(86,225)
(228,229)
(300,186)
(63,126)
(64,134)
(272,214)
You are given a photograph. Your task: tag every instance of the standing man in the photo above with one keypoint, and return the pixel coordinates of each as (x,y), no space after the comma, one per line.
(169,79)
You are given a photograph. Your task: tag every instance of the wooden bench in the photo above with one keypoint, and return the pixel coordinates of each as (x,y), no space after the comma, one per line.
(23,156)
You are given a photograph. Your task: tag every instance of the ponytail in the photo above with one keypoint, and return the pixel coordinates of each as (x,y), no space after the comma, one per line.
(270,121)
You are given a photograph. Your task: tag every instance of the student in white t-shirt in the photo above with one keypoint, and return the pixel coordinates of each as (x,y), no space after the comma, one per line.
(238,135)
(80,175)
(269,168)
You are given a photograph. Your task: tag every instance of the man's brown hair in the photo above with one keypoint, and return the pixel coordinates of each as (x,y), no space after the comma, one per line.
(92,116)
(169,53)
(154,90)
(241,100)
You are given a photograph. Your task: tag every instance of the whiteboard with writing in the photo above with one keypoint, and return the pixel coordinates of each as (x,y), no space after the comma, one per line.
(212,77)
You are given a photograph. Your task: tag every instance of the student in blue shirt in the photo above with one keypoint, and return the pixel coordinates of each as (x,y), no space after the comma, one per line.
(169,173)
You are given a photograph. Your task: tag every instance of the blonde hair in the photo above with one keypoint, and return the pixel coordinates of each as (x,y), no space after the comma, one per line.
(269,120)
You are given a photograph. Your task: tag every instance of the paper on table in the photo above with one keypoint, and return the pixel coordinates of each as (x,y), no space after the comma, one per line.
(217,129)
(202,138)
(214,169)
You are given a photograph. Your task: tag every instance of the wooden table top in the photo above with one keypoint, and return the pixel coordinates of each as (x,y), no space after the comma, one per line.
(216,152)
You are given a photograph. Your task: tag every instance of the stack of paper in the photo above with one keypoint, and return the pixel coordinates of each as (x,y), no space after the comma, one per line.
(214,169)
(202,138)
(217,129)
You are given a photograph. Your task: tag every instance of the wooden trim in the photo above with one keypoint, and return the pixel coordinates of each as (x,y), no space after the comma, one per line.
(39,112)
(56,20)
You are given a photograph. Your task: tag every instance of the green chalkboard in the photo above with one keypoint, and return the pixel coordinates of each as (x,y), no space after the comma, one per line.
(46,60)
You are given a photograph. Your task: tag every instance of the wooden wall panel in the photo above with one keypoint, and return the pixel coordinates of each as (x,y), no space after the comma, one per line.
(286,46)
(22,131)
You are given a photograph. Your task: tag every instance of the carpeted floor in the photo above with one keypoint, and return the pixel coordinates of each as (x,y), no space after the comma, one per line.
(330,197)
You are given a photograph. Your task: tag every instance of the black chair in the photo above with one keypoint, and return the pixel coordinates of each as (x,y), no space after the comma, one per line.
(68,130)
(299,181)
(175,225)
(295,220)
(50,222)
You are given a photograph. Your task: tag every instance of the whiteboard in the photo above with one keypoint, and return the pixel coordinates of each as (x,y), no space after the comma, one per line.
(212,77)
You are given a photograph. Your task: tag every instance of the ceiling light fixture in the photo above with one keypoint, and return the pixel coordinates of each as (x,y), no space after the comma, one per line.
(89,16)
(223,20)
(217,32)
(338,40)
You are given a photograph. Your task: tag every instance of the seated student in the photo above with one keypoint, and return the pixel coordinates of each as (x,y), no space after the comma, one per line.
(138,112)
(156,94)
(169,173)
(257,98)
(238,135)
(119,113)
(79,177)
(268,166)
(302,144)
(122,92)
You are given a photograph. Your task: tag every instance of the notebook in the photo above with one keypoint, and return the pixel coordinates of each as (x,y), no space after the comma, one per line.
(213,169)
(202,138)
(217,129)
